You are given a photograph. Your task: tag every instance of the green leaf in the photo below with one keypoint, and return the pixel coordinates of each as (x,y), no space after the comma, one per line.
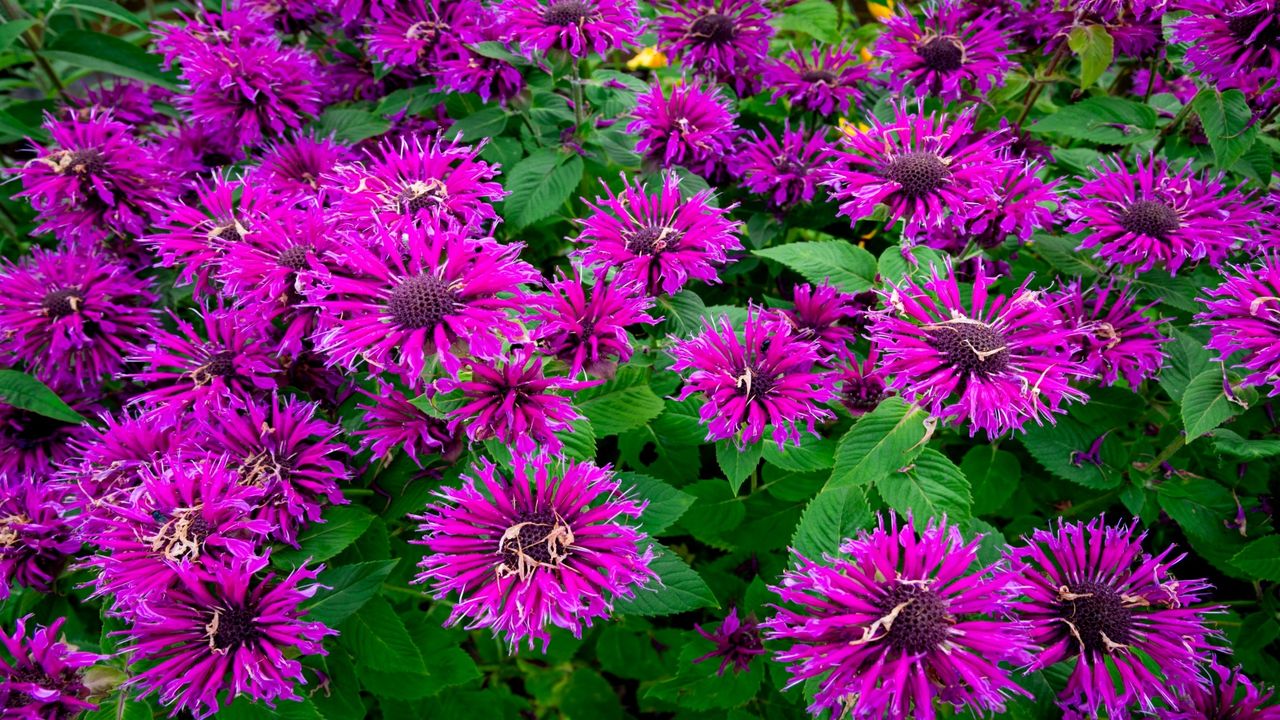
(683,313)
(828,519)
(993,475)
(621,403)
(1205,404)
(1227,122)
(349,588)
(893,267)
(580,441)
(930,488)
(846,266)
(699,687)
(666,503)
(681,590)
(342,525)
(489,122)
(715,511)
(1095,48)
(1060,252)
(380,640)
(111,55)
(119,707)
(352,125)
(1233,445)
(813,454)
(588,695)
(245,708)
(816,18)
(737,465)
(1260,559)
(539,185)
(27,393)
(1059,449)
(11,30)
(881,442)
(1101,120)
(107,9)
(1187,358)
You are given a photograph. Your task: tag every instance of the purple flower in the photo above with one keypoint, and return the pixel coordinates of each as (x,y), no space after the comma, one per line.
(1111,337)
(36,540)
(575,27)
(226,629)
(587,327)
(512,400)
(438,179)
(899,618)
(415,33)
(111,459)
(129,101)
(183,512)
(726,40)
(227,359)
(551,546)
(824,79)
(861,385)
(993,363)
(1243,315)
(294,167)
(461,70)
(769,377)
(930,171)
(414,291)
(95,181)
(69,315)
(658,240)
(949,54)
(1091,594)
(694,126)
(786,171)
(41,678)
(825,315)
(1229,696)
(1159,216)
(737,642)
(282,448)
(31,443)
(1235,44)
(391,421)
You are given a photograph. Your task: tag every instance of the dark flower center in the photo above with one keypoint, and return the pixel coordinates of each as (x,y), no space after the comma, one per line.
(650,240)
(919,173)
(942,54)
(537,539)
(754,383)
(746,638)
(220,364)
(422,196)
(64,302)
(1243,27)
(971,346)
(1101,617)
(264,468)
(862,395)
(426,30)
(83,162)
(1151,218)
(566,12)
(295,257)
(422,301)
(231,628)
(230,234)
(920,621)
(30,676)
(816,75)
(713,29)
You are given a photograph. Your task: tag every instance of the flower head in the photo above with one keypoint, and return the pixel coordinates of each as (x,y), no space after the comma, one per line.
(417,33)
(785,170)
(693,127)
(112,458)
(1235,44)
(900,617)
(949,54)
(824,314)
(861,385)
(295,166)
(726,40)
(36,539)
(575,27)
(823,79)
(737,642)
(1243,315)
(391,421)
(769,377)
(1091,594)
(462,70)
(1229,696)
(586,327)
(1111,337)
(40,677)
(554,545)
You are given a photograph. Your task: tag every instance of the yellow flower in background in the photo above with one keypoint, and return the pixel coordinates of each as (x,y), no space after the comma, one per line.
(848,128)
(866,55)
(649,58)
(881,10)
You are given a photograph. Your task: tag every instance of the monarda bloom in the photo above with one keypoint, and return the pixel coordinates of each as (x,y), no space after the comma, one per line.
(95,180)
(420,290)
(586,327)
(1090,594)
(860,386)
(554,545)
(1158,216)
(111,459)
(659,240)
(438,179)
(931,171)
(737,642)
(1236,44)
(185,512)
(769,377)
(295,167)
(1229,696)
(725,40)
(826,315)
(464,71)
(948,54)
(36,539)
(1021,203)
(693,127)
(282,448)
(225,633)
(1243,315)
(391,422)
(414,34)
(991,362)
(70,315)
(1111,337)
(901,617)
(574,27)
(226,359)
(823,79)
(785,170)
(41,678)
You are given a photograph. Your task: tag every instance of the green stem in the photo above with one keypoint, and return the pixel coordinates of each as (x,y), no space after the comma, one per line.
(357,492)
(403,591)
(1037,88)
(579,99)
(1167,453)
(1168,130)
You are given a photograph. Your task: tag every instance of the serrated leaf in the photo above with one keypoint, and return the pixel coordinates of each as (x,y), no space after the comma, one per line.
(684,312)
(349,587)
(245,708)
(1187,358)
(1205,404)
(24,392)
(699,687)
(882,441)
(343,525)
(816,18)
(812,454)
(682,589)
(846,266)
(1260,559)
(932,487)
(352,125)
(1095,48)
(1233,445)
(1102,120)
(666,503)
(737,464)
(539,185)
(828,519)
(111,55)
(1228,123)
(485,123)
(119,707)
(1060,449)
(379,639)
(621,403)
(993,476)
(580,441)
